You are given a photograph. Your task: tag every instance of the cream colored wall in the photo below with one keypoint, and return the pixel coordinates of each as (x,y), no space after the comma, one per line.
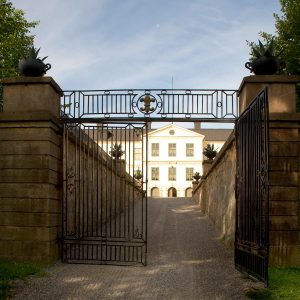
(163,161)
(180,162)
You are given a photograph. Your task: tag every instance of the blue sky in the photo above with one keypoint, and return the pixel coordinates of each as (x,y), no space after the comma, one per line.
(109,44)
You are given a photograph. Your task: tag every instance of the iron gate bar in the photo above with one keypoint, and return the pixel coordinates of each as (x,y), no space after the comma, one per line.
(101,225)
(151,104)
(252,190)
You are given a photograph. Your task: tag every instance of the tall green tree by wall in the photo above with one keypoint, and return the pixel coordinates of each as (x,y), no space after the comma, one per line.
(287,38)
(15,40)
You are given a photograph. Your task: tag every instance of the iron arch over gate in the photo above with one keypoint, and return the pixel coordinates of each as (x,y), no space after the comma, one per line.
(252,190)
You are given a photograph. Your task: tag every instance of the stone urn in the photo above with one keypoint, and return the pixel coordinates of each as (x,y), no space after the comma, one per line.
(33,67)
(265,65)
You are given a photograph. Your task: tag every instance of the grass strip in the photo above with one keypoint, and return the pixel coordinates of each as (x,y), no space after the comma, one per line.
(14,270)
(284,283)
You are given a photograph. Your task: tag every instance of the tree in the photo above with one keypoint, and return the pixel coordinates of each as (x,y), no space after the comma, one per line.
(287,38)
(15,40)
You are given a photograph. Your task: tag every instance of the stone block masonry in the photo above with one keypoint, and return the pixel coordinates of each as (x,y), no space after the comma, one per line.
(216,192)
(284,162)
(31,174)
(30,170)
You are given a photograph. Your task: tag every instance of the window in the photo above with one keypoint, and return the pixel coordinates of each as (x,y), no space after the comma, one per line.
(172,173)
(189,150)
(172,149)
(155,173)
(155,149)
(138,153)
(189,173)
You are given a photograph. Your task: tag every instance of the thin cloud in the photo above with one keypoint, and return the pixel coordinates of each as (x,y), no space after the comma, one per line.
(137,43)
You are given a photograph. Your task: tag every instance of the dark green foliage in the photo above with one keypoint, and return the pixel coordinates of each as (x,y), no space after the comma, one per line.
(284,284)
(209,151)
(116,151)
(260,49)
(33,53)
(138,175)
(286,40)
(15,40)
(12,270)
(197,176)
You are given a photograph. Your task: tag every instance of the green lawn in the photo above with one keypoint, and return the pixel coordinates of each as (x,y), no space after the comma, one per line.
(12,270)
(284,283)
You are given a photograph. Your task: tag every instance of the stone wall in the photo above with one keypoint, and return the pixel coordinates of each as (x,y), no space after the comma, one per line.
(30,187)
(284,162)
(215,192)
(32,172)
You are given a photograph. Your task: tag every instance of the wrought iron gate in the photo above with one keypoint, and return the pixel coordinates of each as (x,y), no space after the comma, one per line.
(252,191)
(105,165)
(105,199)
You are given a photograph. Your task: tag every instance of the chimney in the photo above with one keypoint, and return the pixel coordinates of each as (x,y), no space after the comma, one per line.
(197,125)
(148,126)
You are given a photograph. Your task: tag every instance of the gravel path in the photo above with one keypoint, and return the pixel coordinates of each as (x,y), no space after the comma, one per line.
(185,261)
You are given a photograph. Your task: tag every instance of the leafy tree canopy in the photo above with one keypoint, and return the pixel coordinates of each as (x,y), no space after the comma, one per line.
(15,39)
(286,39)
(287,36)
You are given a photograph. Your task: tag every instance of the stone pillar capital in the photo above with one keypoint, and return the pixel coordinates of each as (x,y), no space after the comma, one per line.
(31,94)
(281,91)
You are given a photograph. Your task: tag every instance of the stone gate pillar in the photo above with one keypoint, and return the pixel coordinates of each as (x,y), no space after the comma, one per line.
(284,163)
(30,170)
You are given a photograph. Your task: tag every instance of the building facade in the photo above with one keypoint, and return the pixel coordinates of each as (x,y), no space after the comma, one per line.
(173,155)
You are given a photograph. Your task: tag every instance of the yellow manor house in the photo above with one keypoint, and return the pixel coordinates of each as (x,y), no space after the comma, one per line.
(174,155)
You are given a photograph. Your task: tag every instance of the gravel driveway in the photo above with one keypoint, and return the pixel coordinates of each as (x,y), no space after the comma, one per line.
(185,261)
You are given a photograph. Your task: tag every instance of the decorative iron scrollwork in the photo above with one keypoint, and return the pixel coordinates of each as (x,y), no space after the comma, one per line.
(137,234)
(138,132)
(71,180)
(147,100)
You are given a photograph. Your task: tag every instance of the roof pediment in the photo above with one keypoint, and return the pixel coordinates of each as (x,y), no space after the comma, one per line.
(173,130)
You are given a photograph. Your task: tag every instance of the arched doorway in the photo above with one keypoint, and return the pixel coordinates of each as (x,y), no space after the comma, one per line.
(188,192)
(172,192)
(155,192)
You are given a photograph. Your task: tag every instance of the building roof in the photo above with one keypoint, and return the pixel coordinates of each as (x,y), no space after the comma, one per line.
(214,134)
(115,134)
(121,134)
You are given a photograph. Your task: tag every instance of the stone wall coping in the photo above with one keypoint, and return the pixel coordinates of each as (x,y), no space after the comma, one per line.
(269,79)
(218,158)
(33,80)
(202,180)
(273,117)
(284,117)
(29,117)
